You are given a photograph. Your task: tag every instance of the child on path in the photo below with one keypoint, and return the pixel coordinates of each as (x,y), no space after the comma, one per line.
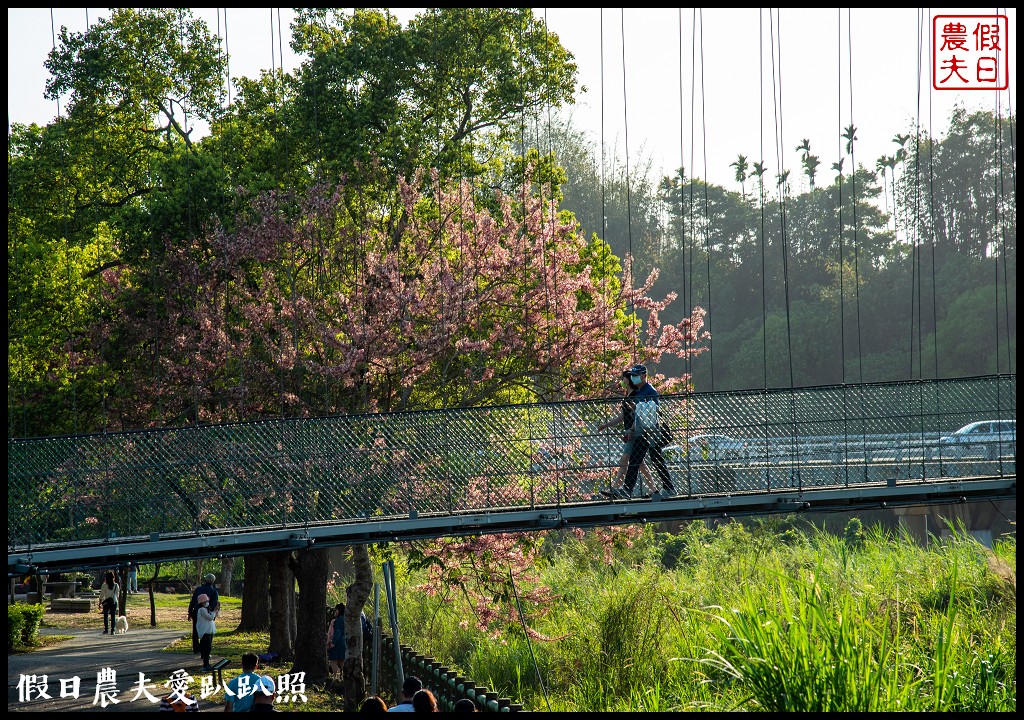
(205,628)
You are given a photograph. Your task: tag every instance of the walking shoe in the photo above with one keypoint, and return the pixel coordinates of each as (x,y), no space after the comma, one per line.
(664,494)
(617,493)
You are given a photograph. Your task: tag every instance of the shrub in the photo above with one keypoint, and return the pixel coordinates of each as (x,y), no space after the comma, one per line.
(673,547)
(82,577)
(33,615)
(854,534)
(15,625)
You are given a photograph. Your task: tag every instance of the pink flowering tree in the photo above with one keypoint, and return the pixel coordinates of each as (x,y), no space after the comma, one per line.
(331,303)
(354,300)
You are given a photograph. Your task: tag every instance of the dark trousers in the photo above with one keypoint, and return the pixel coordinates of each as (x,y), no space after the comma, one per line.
(205,646)
(195,638)
(641,448)
(109,610)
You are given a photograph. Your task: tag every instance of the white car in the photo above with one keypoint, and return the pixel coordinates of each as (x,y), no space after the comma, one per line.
(990,438)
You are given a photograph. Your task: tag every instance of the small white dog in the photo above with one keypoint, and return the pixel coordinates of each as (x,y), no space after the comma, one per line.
(121,625)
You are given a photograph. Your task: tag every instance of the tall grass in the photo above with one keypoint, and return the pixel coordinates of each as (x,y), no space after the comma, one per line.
(759,616)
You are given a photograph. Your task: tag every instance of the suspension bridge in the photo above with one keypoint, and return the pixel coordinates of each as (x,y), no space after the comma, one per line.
(221,490)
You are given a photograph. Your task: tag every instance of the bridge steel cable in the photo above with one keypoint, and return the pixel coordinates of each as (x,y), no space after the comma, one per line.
(915,284)
(776,44)
(688,249)
(687,369)
(686,292)
(707,211)
(852,136)
(764,250)
(931,234)
(629,208)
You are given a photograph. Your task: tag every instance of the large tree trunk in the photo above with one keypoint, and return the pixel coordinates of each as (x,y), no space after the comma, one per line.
(122,581)
(291,614)
(280,587)
(152,599)
(227,574)
(311,570)
(356,596)
(255,595)
(199,574)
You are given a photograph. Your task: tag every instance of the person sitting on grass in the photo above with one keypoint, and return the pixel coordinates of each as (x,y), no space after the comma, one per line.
(239,693)
(179,702)
(263,698)
(373,705)
(410,687)
(424,701)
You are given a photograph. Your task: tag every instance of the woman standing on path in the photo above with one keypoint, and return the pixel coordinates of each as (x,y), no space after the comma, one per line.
(205,627)
(336,640)
(108,601)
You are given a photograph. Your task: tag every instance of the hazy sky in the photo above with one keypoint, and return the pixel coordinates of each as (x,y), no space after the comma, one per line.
(698,86)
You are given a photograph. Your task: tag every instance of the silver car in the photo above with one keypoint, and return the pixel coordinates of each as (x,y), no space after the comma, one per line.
(989,438)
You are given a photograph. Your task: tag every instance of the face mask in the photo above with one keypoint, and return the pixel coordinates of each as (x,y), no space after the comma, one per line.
(637,380)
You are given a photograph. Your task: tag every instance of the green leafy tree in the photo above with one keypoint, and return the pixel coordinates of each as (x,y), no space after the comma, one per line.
(958,192)
(103,187)
(450,91)
(135,85)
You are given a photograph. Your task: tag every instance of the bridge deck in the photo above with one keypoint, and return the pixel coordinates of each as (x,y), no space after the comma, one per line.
(226,489)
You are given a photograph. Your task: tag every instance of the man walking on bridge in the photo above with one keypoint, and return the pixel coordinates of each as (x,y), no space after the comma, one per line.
(645,434)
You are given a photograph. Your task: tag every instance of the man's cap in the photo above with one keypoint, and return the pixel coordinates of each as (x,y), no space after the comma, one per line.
(638,370)
(412,685)
(210,577)
(265,685)
(203,597)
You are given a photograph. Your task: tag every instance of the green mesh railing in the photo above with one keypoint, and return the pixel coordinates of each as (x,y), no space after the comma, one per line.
(295,472)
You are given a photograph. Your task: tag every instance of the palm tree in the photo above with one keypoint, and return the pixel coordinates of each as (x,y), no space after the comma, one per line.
(759,170)
(881,164)
(811,163)
(890,162)
(838,167)
(850,134)
(741,173)
(804,147)
(901,140)
(783,181)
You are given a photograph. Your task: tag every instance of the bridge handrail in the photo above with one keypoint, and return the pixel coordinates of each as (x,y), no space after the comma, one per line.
(352,469)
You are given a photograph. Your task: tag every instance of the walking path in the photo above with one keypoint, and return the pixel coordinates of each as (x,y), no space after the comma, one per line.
(89,652)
